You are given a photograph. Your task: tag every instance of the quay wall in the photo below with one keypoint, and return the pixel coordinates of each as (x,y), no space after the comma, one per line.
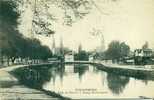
(141,74)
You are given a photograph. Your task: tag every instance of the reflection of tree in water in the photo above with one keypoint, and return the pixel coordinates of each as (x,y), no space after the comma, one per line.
(145,81)
(33,77)
(80,69)
(96,70)
(59,70)
(117,83)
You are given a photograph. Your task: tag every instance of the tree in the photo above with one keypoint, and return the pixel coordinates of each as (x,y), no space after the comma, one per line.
(71,12)
(97,33)
(43,18)
(146,45)
(79,48)
(117,50)
(9,37)
(82,55)
(12,44)
(113,51)
(35,50)
(125,49)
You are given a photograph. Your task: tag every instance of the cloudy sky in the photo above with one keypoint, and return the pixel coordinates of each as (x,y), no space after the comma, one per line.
(131,21)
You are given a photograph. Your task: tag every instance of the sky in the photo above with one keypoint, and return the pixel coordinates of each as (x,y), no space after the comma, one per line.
(130,21)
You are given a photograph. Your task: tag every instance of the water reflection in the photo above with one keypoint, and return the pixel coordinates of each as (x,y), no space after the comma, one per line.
(7,84)
(33,77)
(80,69)
(65,78)
(117,83)
(63,70)
(56,71)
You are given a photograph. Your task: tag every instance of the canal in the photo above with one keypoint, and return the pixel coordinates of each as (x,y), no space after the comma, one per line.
(83,81)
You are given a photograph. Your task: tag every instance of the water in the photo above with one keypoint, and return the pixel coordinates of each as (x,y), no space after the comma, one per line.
(84,81)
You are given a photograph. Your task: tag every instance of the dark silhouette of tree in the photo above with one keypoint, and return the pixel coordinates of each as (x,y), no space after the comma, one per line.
(9,36)
(82,55)
(113,51)
(117,50)
(117,83)
(125,49)
(12,44)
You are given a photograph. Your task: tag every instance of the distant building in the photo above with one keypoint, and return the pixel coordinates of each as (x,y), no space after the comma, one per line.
(69,56)
(91,58)
(142,56)
(143,53)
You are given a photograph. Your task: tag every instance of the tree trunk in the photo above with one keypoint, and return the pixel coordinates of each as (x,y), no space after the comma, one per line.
(2,60)
(21,61)
(8,61)
(13,59)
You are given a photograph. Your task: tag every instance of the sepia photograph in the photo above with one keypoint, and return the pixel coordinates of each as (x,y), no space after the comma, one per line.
(76,49)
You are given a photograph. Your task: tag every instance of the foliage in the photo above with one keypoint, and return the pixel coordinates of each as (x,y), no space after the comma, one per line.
(43,16)
(12,44)
(117,50)
(82,55)
(35,50)
(117,83)
(125,49)
(8,15)
(9,37)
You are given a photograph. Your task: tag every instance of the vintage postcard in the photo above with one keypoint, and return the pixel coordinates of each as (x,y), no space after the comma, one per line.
(76,49)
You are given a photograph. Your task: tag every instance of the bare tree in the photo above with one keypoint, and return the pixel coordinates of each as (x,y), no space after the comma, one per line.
(43,19)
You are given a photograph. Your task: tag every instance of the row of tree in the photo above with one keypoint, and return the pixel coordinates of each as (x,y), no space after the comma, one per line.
(13,44)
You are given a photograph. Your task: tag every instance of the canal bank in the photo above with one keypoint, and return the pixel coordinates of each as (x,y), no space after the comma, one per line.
(11,89)
(140,72)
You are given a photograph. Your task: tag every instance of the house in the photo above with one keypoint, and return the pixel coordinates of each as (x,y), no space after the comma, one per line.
(143,52)
(142,56)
